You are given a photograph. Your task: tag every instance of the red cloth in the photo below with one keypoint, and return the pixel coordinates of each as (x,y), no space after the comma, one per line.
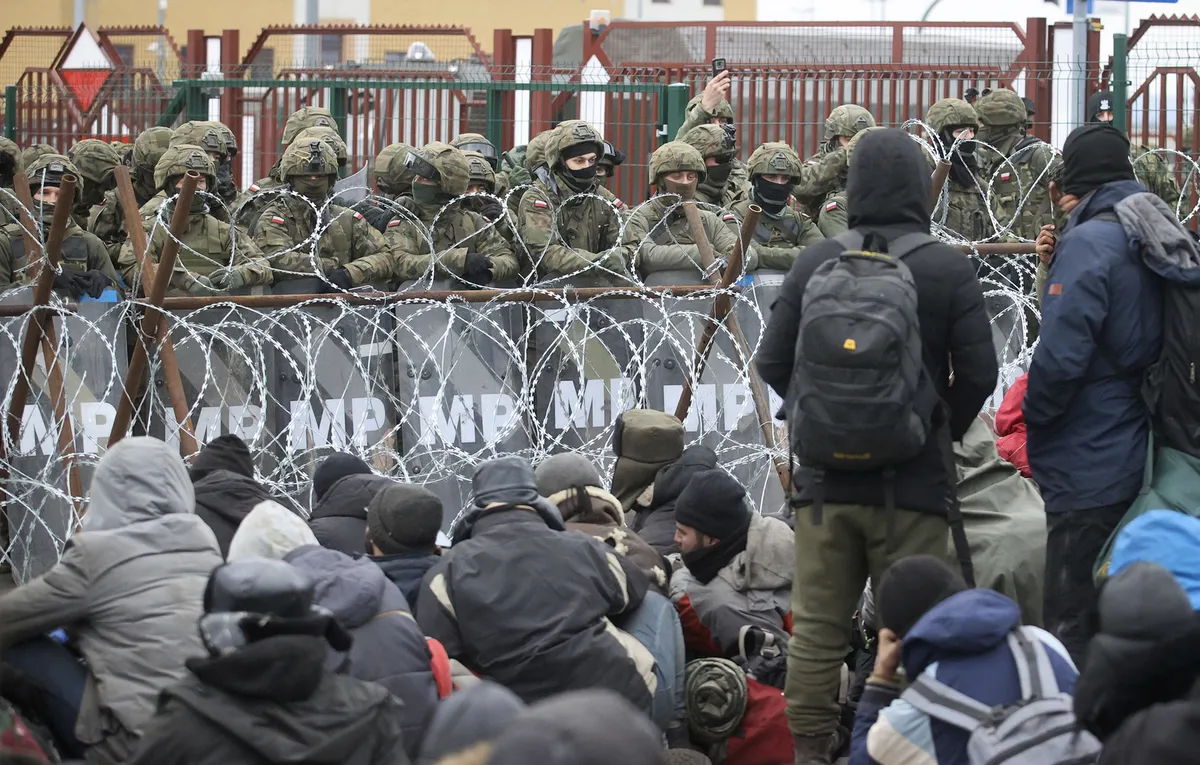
(439,662)
(696,637)
(1010,427)
(763,737)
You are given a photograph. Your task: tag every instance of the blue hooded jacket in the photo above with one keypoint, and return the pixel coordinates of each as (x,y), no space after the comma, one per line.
(961,642)
(1168,538)
(1087,423)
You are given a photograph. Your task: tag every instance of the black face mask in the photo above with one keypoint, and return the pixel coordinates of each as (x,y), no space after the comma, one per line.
(225,187)
(313,191)
(772,196)
(582,180)
(143,183)
(718,174)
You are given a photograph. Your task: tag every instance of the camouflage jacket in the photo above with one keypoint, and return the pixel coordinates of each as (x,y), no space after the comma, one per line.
(834,215)
(735,191)
(284,234)
(209,244)
(777,241)
(694,115)
(658,238)
(1154,173)
(964,213)
(250,205)
(563,233)
(458,233)
(1018,183)
(821,176)
(81,251)
(8,206)
(108,224)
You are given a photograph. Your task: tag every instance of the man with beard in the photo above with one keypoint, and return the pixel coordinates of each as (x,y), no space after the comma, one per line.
(964,214)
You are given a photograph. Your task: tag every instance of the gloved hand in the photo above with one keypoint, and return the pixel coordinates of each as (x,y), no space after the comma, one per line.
(73,283)
(477,268)
(97,282)
(200,286)
(614,261)
(340,278)
(228,278)
(491,208)
(378,216)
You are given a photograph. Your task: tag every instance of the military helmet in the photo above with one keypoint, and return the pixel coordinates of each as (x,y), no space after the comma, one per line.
(33,152)
(177,160)
(712,141)
(847,120)
(572,133)
(536,152)
(1001,108)
(480,170)
(723,110)
(95,159)
(478,144)
(612,157)
(854,141)
(676,156)
(329,136)
(775,159)
(202,134)
(231,145)
(951,113)
(49,169)
(391,173)
(311,156)
(150,146)
(444,164)
(302,119)
(11,149)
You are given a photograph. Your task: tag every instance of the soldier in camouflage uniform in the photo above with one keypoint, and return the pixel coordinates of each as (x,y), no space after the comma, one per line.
(394,181)
(697,114)
(782,230)
(464,244)
(468,142)
(965,213)
(226,187)
(305,234)
(10,165)
(250,204)
(1149,167)
(725,184)
(521,163)
(31,153)
(1015,167)
(108,221)
(209,245)
(658,236)
(563,225)
(86,267)
(483,183)
(824,173)
(96,161)
(608,164)
(218,141)
(834,212)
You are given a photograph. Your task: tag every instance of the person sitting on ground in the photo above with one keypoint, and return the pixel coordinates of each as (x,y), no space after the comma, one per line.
(938,629)
(388,647)
(519,602)
(654,521)
(223,480)
(572,482)
(465,725)
(403,521)
(343,487)
(129,588)
(269,531)
(262,694)
(737,568)
(644,441)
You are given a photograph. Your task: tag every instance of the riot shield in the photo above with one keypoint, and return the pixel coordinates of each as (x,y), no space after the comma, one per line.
(91,355)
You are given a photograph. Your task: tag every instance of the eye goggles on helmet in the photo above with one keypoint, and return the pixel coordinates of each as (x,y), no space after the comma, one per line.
(422,166)
(730,142)
(486,149)
(315,164)
(613,155)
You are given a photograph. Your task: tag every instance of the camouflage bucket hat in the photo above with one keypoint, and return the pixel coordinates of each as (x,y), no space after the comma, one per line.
(11,149)
(847,120)
(723,110)
(307,117)
(674,157)
(311,156)
(35,151)
(572,133)
(1001,108)
(49,169)
(480,145)
(150,146)
(330,137)
(95,159)
(391,173)
(951,113)
(711,141)
(775,159)
(450,165)
(201,134)
(480,170)
(178,160)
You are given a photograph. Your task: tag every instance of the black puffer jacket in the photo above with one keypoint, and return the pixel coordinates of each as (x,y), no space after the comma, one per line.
(888,194)
(224,499)
(339,519)
(656,523)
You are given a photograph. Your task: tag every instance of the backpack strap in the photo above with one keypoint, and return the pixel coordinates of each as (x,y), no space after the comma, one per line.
(933,697)
(1033,664)
(909,243)
(850,240)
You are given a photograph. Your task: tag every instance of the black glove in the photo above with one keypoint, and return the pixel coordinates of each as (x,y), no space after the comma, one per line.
(97,282)
(73,283)
(340,278)
(378,216)
(491,208)
(478,269)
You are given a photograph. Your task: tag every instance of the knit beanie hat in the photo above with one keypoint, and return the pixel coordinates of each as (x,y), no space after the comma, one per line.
(227,452)
(563,471)
(713,503)
(910,587)
(404,517)
(334,468)
(1094,155)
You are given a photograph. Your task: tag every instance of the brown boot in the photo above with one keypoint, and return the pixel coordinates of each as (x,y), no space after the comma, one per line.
(812,750)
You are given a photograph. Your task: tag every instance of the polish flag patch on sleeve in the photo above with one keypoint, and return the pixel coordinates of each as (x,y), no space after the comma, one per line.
(254,187)
(831,206)
(277,219)
(539,204)
(618,203)
(395,222)
(1005,176)
(729,217)
(358,215)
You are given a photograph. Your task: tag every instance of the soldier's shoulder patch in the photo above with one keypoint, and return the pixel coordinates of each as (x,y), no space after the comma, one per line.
(540,204)
(618,203)
(1054,289)
(394,222)
(277,219)
(1005,176)
(831,205)
(358,215)
(728,217)
(254,187)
